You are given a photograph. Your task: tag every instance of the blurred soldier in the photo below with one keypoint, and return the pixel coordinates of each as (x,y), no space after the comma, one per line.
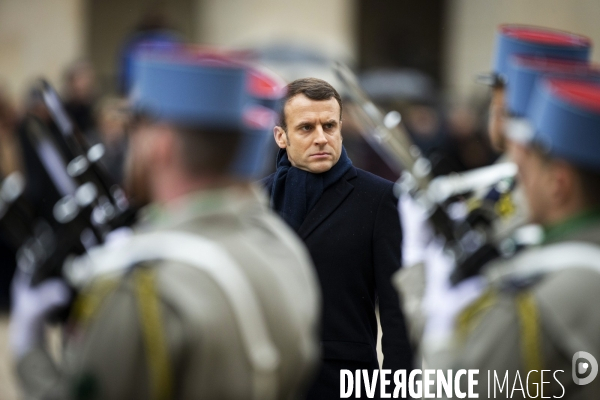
(80,97)
(538,309)
(10,161)
(152,30)
(10,153)
(511,40)
(536,41)
(505,199)
(348,220)
(111,116)
(212,297)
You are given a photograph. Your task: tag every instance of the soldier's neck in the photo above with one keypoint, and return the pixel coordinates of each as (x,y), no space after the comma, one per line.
(178,186)
(571,225)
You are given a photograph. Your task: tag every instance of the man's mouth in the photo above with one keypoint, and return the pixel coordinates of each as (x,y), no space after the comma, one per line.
(321,154)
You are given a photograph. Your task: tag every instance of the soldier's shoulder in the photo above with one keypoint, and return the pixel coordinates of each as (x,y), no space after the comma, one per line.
(567,303)
(556,285)
(577,285)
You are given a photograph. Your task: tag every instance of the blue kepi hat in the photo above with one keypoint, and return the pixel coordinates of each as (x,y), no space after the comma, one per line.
(206,89)
(525,71)
(535,41)
(565,120)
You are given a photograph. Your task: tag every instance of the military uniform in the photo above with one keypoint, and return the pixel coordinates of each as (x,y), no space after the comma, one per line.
(505,200)
(166,329)
(537,311)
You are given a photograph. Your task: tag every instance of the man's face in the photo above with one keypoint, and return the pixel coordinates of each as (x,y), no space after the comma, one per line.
(536,178)
(497,120)
(314,133)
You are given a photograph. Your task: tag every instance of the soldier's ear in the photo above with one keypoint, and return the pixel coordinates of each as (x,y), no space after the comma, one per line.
(164,146)
(566,184)
(280,137)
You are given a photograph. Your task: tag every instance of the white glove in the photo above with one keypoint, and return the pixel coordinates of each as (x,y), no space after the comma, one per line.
(443,302)
(30,306)
(417,232)
(118,236)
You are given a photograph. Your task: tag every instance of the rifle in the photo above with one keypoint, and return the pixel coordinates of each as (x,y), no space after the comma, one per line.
(470,241)
(89,204)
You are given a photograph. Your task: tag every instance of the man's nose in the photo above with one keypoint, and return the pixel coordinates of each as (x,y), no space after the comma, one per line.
(320,138)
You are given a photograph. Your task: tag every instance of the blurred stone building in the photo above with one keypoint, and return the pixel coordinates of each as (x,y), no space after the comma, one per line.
(450,40)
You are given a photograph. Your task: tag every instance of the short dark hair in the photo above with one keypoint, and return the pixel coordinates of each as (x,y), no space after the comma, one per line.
(208,150)
(202,149)
(314,89)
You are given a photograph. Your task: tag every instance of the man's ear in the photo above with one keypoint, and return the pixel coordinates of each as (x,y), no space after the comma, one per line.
(342,136)
(566,181)
(164,146)
(280,137)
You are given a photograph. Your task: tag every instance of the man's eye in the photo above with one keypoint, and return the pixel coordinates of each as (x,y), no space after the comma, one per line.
(306,128)
(328,126)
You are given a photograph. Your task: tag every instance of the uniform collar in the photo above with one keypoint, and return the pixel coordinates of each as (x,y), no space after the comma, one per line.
(232,199)
(571,226)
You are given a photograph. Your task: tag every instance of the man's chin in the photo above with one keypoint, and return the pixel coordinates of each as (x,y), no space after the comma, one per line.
(320,167)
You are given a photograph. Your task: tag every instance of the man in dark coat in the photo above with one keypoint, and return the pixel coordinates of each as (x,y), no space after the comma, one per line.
(348,220)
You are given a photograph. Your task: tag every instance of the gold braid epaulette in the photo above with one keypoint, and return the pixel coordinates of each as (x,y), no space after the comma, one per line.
(529,327)
(469,318)
(153,332)
(529,324)
(88,301)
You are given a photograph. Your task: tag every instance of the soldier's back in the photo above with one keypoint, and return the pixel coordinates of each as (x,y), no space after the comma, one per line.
(238,307)
(539,310)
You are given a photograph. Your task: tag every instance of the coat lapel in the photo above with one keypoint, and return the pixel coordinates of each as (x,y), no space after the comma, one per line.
(328,203)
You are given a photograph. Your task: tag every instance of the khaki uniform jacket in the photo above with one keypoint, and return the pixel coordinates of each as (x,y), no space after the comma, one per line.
(113,345)
(531,322)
